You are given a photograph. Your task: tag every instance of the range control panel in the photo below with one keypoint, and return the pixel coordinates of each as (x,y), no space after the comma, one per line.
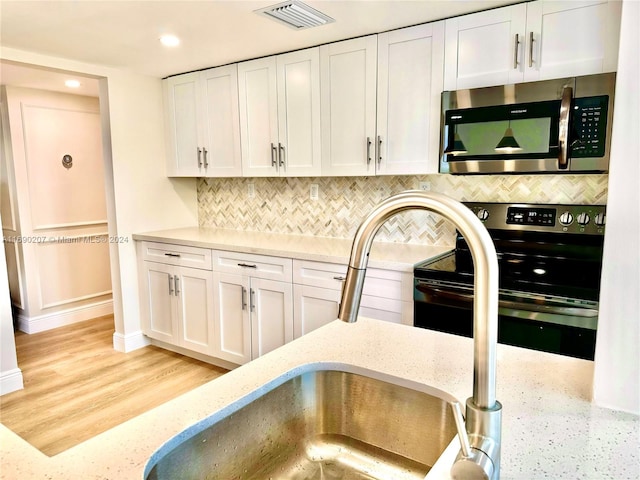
(587,219)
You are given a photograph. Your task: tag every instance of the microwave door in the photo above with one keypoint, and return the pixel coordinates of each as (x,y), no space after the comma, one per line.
(505,138)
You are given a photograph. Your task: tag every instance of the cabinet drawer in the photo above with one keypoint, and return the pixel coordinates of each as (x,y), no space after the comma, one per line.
(317,274)
(389,284)
(181,255)
(259,266)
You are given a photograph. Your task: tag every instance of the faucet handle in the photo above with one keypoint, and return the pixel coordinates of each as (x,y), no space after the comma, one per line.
(465,446)
(471,463)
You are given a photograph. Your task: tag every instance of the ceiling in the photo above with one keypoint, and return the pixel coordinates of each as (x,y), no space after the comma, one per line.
(125,34)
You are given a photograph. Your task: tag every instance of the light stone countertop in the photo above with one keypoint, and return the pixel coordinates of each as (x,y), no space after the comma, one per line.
(550,428)
(392,256)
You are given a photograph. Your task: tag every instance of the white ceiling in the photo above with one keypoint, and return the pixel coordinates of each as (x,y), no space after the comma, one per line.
(124,34)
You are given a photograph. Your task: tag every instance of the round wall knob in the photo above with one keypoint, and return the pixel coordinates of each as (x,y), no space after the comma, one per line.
(583,218)
(483,214)
(566,218)
(600,219)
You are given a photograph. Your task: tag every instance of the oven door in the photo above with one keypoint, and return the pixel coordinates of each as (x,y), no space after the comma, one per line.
(550,324)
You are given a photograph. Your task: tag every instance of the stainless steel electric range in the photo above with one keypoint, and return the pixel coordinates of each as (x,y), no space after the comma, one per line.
(550,261)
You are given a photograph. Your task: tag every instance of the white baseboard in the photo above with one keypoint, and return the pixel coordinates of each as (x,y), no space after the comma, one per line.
(129,342)
(11,381)
(49,321)
(218,362)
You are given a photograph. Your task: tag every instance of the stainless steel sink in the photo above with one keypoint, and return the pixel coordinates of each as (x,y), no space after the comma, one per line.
(322,425)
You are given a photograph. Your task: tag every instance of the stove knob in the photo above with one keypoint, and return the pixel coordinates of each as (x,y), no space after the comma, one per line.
(583,218)
(600,219)
(483,214)
(566,218)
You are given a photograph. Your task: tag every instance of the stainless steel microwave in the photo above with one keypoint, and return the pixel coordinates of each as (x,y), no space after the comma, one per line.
(550,126)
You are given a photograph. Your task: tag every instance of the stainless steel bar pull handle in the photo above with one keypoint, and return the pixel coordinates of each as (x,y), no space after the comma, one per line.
(368,150)
(244,298)
(281,154)
(252,299)
(247,265)
(563,128)
(274,162)
(206,162)
(379,150)
(175,255)
(515,52)
(177,282)
(531,40)
(170,284)
(199,158)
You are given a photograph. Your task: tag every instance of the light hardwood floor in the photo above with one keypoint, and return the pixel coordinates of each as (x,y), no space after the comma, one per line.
(77,386)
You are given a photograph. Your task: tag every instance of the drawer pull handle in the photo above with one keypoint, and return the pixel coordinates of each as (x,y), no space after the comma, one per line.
(247,265)
(339,278)
(175,255)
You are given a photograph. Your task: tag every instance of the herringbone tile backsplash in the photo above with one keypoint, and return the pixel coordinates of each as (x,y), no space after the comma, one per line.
(282,205)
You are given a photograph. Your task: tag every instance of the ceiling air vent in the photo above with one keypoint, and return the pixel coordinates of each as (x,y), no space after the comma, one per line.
(296,15)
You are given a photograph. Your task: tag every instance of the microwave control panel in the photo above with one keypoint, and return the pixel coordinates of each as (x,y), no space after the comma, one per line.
(589,126)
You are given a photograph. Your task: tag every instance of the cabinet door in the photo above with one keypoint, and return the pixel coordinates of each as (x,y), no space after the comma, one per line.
(194,293)
(258,117)
(232,320)
(571,38)
(181,107)
(298,81)
(271,306)
(485,48)
(313,307)
(159,292)
(410,70)
(220,124)
(348,104)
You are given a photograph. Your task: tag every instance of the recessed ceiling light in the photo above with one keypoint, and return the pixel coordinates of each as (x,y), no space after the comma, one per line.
(72,83)
(169,40)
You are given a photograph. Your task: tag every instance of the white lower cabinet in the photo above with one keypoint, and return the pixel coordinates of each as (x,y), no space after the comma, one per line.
(387,295)
(238,306)
(179,306)
(254,307)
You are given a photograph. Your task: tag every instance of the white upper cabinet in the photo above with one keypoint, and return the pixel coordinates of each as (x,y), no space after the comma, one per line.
(280,114)
(348,82)
(220,122)
(568,38)
(410,81)
(531,41)
(181,109)
(484,48)
(203,130)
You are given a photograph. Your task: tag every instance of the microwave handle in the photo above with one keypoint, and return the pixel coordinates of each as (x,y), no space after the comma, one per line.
(563,128)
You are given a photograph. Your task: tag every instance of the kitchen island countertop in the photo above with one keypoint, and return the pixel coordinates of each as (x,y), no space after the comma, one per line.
(550,428)
(386,255)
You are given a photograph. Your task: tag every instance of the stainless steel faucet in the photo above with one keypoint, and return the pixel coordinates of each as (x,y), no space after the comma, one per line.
(480,438)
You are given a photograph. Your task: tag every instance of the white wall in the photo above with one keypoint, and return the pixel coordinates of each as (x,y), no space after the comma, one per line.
(617,361)
(65,275)
(140,196)
(10,374)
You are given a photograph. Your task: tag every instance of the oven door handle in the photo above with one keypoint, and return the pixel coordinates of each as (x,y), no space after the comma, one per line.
(552,309)
(452,297)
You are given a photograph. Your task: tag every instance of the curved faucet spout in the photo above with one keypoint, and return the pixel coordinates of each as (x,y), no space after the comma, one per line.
(483,411)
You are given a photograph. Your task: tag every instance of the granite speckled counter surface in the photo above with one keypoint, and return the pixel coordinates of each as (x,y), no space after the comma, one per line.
(550,428)
(393,256)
